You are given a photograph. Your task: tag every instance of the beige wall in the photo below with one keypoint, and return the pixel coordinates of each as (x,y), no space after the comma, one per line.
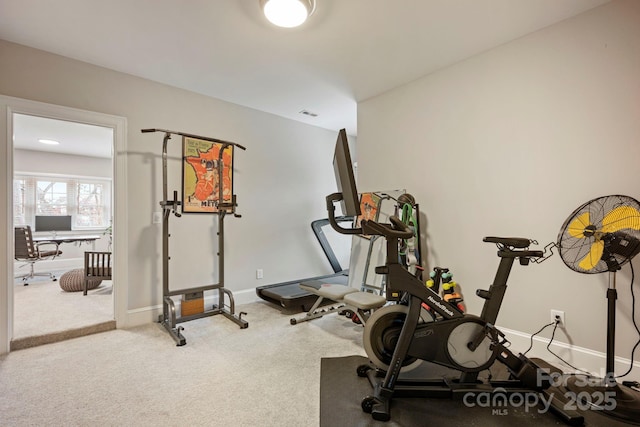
(280,180)
(30,161)
(509,143)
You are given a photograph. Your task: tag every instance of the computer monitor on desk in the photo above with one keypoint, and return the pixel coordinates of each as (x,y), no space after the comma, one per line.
(53,223)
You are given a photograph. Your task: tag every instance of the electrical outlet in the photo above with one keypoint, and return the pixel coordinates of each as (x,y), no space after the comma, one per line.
(558,315)
(259,273)
(157,217)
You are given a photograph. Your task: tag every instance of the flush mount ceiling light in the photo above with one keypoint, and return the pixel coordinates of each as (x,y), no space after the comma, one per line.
(49,141)
(288,13)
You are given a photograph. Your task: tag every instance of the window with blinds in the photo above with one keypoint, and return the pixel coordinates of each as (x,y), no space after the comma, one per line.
(87,200)
(19,202)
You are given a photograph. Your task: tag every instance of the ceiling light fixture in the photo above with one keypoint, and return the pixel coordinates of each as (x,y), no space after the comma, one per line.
(49,141)
(288,13)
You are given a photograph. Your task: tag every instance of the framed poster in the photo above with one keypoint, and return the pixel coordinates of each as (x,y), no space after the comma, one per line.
(201,161)
(369,204)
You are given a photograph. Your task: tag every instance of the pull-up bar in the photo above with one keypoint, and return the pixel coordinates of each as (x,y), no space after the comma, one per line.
(169,318)
(189,135)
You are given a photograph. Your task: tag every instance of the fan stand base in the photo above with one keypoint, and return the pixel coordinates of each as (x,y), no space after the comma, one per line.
(610,398)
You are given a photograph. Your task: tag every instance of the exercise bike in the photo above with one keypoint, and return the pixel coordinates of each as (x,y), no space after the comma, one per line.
(401,334)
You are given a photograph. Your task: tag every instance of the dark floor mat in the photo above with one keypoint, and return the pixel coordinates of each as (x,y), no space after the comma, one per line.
(341,392)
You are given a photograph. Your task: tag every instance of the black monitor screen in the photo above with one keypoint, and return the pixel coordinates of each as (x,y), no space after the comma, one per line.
(344,176)
(53,223)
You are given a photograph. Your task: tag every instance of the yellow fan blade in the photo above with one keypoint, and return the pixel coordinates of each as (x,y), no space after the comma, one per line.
(620,218)
(593,257)
(577,226)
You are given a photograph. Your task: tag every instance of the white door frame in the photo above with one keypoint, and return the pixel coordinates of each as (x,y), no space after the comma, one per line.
(12,105)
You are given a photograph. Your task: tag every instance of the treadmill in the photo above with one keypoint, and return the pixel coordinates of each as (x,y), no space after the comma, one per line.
(289,295)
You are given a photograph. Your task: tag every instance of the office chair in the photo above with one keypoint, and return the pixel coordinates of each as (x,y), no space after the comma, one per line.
(26,250)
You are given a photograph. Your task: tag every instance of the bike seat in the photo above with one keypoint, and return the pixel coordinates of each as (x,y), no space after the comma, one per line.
(513,242)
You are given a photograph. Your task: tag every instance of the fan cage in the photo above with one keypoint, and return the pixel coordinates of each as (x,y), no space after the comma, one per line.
(620,236)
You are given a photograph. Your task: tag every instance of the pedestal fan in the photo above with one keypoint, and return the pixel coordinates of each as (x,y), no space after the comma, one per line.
(601,236)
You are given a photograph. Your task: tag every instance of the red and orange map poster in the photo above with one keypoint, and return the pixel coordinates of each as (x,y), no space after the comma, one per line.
(369,203)
(200,175)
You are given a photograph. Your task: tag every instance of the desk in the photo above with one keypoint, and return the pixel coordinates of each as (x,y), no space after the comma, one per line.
(69,238)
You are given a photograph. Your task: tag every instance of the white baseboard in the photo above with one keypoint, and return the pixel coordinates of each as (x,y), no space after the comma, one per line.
(142,316)
(582,358)
(245,296)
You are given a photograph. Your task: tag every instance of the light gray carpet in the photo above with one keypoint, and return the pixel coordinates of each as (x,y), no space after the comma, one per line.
(43,308)
(265,375)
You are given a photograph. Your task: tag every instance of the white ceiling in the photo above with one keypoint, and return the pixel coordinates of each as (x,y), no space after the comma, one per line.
(348,51)
(74,138)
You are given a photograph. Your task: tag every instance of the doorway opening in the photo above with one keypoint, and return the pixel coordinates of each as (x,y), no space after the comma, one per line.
(84,180)
(62,170)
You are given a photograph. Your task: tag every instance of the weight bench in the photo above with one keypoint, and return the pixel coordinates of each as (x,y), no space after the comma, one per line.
(346,298)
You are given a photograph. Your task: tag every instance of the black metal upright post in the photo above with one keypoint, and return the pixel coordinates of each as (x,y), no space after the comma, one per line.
(222,211)
(612,295)
(165,218)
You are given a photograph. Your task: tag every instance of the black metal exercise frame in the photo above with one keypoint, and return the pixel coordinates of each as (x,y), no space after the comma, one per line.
(168,317)
(428,340)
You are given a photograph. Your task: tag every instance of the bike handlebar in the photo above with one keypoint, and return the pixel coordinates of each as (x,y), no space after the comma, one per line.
(396,230)
(331,211)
